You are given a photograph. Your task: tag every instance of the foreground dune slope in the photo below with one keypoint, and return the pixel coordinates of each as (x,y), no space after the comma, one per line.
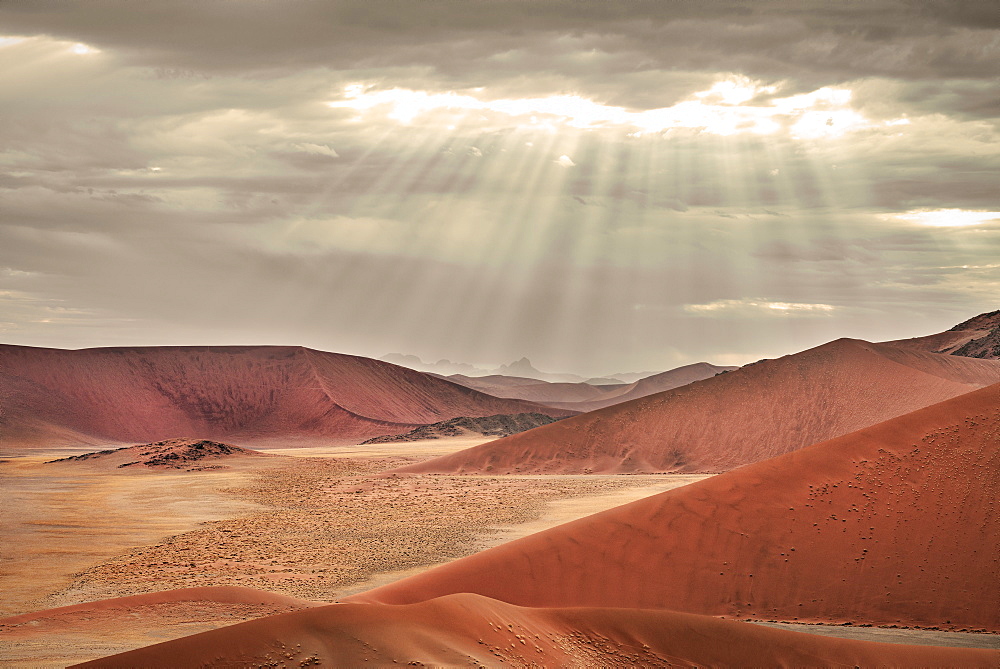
(154,393)
(894,524)
(469,629)
(757,412)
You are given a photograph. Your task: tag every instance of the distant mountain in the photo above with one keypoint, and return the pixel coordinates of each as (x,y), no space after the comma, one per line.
(518,368)
(442,367)
(523,367)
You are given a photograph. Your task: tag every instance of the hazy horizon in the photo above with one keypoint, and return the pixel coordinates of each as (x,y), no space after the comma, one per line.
(600,187)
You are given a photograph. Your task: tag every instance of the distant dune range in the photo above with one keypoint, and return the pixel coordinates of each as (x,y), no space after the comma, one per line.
(470,630)
(53,396)
(757,412)
(586,396)
(894,524)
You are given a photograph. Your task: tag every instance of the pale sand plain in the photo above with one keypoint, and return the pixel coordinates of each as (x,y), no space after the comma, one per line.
(317,524)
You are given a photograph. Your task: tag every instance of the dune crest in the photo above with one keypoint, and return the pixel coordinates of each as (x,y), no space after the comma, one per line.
(470,630)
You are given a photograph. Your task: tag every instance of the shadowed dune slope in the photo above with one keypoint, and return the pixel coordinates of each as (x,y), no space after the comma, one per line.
(756,412)
(149,394)
(894,524)
(463,630)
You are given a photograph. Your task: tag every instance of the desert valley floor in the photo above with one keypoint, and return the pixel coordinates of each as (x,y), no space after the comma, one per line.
(281,507)
(313,524)
(310,526)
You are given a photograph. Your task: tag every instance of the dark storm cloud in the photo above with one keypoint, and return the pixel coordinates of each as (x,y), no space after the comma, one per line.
(465,40)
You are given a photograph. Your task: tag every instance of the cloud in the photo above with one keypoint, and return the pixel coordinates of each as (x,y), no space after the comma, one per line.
(724,150)
(758,307)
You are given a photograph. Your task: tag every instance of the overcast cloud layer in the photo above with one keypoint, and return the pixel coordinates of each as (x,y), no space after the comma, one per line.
(600,186)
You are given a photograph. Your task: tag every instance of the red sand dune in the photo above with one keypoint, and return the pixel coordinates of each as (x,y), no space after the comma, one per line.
(463,630)
(895,524)
(246,393)
(756,412)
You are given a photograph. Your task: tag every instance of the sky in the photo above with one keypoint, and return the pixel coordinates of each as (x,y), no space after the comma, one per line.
(600,186)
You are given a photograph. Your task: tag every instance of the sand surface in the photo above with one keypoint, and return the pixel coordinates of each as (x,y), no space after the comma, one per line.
(416,450)
(561,511)
(470,630)
(895,635)
(892,525)
(315,528)
(60,519)
(748,415)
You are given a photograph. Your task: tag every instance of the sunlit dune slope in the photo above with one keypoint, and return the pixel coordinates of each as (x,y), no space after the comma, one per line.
(756,412)
(463,630)
(894,524)
(149,394)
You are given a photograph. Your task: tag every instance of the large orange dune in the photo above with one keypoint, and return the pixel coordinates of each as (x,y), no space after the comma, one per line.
(897,524)
(751,414)
(148,394)
(462,630)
